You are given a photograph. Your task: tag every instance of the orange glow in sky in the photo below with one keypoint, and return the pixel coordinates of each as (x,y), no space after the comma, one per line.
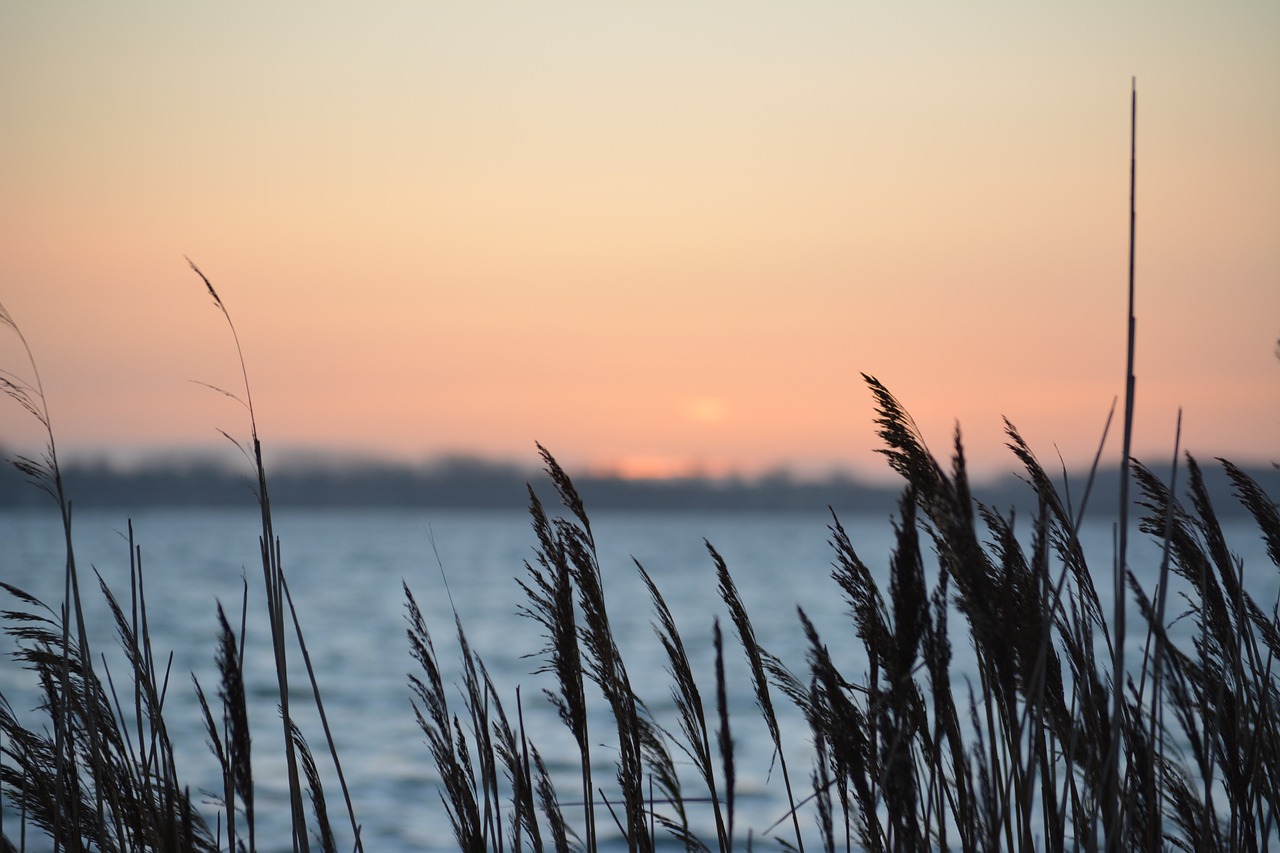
(660,237)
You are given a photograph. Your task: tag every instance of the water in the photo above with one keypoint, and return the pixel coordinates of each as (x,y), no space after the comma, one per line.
(346,569)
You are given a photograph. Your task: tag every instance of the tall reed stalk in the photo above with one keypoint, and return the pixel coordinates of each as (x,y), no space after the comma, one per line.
(277,596)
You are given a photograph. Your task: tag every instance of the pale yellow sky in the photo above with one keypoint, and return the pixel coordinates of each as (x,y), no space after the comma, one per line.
(660,235)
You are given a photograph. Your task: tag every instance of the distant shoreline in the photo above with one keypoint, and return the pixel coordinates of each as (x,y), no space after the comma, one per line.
(481,484)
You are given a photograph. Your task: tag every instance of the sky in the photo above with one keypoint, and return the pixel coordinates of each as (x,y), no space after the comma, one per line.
(657,238)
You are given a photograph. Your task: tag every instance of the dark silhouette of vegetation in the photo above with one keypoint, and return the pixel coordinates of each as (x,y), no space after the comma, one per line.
(901,760)
(1078,732)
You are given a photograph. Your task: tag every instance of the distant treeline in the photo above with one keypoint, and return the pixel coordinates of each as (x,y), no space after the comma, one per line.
(467,483)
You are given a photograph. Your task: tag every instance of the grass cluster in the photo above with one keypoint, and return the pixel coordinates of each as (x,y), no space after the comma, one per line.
(1078,732)
(1062,742)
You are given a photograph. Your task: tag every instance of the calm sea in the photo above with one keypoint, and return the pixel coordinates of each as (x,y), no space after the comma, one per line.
(346,571)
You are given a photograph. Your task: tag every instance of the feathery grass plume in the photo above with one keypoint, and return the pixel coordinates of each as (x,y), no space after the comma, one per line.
(1246,653)
(871,627)
(1056,522)
(660,772)
(985,592)
(946,504)
(149,806)
(431,709)
(760,663)
(277,595)
(142,805)
(1260,505)
(550,594)
(642,753)
(480,701)
(29,772)
(1019,670)
(1191,562)
(688,702)
(904,447)
(1024,607)
(603,661)
(870,618)
(844,727)
(324,832)
(1076,617)
(1064,523)
(495,741)
(567,492)
(29,394)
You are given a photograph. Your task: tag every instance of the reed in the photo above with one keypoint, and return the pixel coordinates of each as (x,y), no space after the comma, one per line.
(103,776)
(896,764)
(903,757)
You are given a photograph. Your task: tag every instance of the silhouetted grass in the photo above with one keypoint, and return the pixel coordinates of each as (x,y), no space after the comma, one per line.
(1061,739)
(99,777)
(901,759)
(1021,762)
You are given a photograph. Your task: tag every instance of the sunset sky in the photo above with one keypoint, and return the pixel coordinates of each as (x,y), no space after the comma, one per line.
(656,237)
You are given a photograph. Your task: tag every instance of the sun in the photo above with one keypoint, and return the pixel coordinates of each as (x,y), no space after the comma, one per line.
(705,410)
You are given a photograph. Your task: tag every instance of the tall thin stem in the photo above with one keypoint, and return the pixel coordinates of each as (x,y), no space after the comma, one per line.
(273,576)
(1112,798)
